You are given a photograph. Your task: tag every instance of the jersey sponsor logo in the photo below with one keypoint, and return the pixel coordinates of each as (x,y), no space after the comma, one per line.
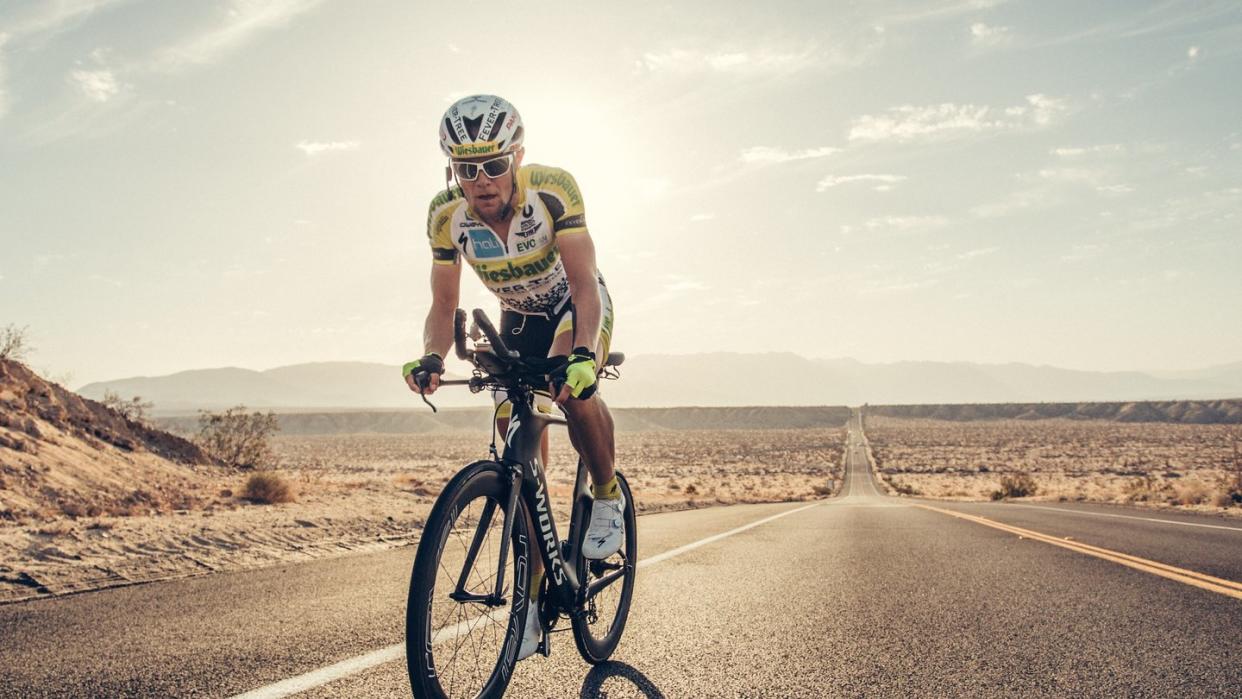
(511,271)
(575,221)
(525,245)
(561,179)
(528,211)
(485,244)
(528,228)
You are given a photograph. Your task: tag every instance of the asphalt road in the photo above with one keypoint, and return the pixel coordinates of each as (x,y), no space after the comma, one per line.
(859,595)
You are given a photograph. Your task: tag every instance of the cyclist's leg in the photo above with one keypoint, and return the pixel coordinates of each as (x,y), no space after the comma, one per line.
(530,336)
(591,429)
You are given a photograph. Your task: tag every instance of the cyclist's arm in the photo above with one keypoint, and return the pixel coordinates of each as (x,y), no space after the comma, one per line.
(578,255)
(445,292)
(438,330)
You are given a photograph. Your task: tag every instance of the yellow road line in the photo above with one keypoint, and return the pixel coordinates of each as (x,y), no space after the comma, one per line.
(1189,577)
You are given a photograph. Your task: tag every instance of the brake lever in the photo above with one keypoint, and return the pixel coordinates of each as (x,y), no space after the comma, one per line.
(423,395)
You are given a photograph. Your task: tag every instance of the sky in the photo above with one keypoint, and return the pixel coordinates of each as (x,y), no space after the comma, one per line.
(242,183)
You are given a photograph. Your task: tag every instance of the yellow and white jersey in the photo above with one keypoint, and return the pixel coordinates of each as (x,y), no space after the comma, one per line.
(525,271)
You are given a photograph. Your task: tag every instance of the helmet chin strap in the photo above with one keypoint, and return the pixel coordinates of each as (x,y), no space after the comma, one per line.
(508,209)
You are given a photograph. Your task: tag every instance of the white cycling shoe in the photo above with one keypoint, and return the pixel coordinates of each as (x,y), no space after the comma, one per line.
(607,530)
(532,634)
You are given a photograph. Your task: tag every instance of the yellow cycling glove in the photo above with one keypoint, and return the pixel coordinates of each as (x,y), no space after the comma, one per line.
(580,374)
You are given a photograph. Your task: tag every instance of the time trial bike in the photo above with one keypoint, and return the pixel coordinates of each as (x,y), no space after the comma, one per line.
(469,595)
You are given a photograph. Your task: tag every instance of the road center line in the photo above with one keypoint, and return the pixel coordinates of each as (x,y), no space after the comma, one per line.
(366,661)
(1144,519)
(1228,588)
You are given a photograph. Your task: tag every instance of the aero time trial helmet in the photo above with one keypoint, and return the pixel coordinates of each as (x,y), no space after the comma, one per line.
(480,125)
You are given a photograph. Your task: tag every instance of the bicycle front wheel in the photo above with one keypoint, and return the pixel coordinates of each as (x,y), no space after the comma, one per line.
(461,636)
(610,587)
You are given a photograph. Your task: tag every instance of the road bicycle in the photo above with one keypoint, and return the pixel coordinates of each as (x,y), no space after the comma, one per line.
(468,598)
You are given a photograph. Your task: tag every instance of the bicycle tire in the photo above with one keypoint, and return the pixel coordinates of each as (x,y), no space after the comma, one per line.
(435,624)
(595,633)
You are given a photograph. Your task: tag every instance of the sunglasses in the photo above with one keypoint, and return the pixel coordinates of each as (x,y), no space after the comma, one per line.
(492,168)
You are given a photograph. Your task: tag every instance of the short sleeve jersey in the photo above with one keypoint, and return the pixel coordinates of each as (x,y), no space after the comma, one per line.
(525,272)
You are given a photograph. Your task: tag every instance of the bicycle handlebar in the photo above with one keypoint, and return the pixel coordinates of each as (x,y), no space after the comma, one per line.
(459,334)
(499,348)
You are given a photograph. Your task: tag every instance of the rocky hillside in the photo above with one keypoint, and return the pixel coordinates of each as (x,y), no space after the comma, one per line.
(1186,411)
(62,454)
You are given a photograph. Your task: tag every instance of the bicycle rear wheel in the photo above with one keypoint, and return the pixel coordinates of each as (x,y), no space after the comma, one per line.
(611,586)
(459,643)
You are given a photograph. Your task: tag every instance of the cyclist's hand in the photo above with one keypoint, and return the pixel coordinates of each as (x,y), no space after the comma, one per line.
(577,378)
(423,375)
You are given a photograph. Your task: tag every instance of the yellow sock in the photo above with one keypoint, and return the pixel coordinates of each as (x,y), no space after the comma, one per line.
(607,491)
(535,580)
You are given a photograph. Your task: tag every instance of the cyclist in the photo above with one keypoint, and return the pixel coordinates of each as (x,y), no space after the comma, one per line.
(522,228)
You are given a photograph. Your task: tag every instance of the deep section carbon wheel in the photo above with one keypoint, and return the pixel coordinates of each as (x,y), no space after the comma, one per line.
(461,636)
(611,586)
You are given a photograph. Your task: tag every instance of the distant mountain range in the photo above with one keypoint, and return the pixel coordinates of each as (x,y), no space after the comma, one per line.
(714,379)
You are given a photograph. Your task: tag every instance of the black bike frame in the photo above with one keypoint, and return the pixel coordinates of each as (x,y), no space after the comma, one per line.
(527,477)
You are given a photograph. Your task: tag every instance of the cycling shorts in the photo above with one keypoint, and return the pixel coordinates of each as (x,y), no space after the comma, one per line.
(532,336)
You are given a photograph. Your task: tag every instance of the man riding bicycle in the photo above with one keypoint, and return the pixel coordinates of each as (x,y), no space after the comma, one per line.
(522,228)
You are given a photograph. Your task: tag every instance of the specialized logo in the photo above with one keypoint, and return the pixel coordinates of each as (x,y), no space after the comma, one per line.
(485,244)
(545,528)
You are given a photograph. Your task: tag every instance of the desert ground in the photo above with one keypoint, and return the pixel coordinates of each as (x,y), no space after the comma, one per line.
(359,492)
(1189,466)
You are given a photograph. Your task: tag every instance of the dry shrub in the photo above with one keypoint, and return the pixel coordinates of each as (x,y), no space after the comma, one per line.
(266,488)
(1144,489)
(1192,493)
(903,488)
(239,438)
(1019,485)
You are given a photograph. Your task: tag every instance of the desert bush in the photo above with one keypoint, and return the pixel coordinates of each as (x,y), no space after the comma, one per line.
(1144,489)
(267,487)
(1192,493)
(1019,485)
(903,488)
(14,342)
(239,438)
(134,409)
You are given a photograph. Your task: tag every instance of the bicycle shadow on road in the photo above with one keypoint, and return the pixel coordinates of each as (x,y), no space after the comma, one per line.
(593,686)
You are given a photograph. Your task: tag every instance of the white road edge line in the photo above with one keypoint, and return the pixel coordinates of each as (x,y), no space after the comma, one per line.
(366,661)
(1145,519)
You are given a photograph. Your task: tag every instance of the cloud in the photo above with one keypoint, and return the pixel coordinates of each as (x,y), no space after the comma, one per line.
(1084,251)
(886,181)
(767,154)
(1096,179)
(313,148)
(948,120)
(940,10)
(906,223)
(978,252)
(984,35)
(244,20)
(4,95)
(98,85)
(759,61)
(1079,151)
(1013,203)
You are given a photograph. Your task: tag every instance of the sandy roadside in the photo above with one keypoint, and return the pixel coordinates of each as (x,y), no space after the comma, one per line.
(358,493)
